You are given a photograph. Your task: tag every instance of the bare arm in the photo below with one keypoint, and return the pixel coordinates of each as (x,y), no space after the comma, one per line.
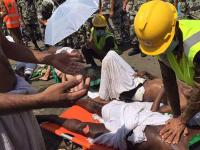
(21,53)
(156,104)
(171,88)
(65,62)
(58,95)
(11,102)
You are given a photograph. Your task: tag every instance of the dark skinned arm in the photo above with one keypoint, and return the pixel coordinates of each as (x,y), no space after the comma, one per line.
(57,95)
(193,106)
(65,62)
(21,53)
(171,88)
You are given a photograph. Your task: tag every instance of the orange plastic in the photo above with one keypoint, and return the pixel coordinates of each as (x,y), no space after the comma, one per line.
(75,112)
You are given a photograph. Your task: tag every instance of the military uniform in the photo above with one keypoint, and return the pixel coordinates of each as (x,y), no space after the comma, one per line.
(28,11)
(190,9)
(132,9)
(120,23)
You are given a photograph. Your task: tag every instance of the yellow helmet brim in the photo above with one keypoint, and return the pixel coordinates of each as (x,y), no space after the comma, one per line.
(160,49)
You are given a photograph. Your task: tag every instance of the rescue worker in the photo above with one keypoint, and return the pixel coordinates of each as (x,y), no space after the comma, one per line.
(100,42)
(12,19)
(176,43)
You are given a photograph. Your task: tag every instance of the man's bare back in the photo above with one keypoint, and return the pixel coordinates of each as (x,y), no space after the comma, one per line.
(7,76)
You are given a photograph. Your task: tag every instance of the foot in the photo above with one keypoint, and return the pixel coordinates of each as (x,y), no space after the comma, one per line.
(44,78)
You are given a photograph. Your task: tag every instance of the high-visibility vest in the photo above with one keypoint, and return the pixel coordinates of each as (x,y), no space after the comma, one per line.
(12,20)
(99,44)
(191,42)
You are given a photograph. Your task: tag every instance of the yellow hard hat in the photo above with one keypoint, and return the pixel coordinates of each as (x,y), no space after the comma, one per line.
(155,25)
(99,21)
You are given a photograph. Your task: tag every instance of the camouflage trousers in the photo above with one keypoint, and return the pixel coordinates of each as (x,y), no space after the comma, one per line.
(78,38)
(28,12)
(132,9)
(189,9)
(120,26)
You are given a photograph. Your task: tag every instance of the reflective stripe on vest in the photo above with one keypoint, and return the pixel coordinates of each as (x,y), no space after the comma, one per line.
(191,42)
(191,37)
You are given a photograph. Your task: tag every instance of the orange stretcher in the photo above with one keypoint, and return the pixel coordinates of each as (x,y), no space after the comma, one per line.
(75,112)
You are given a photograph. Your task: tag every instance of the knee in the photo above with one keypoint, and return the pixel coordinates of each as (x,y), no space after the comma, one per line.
(109,57)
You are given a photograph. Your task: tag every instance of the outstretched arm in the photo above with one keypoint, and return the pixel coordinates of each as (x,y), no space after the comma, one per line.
(65,62)
(58,95)
(21,53)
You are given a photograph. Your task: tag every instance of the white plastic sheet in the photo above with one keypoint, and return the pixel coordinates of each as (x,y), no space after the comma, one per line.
(68,18)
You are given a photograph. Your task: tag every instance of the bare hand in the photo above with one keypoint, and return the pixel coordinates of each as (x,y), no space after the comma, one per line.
(173,130)
(62,93)
(79,56)
(140,74)
(67,63)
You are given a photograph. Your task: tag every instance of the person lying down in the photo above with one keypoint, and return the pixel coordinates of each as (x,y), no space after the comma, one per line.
(119,120)
(120,81)
(124,115)
(124,125)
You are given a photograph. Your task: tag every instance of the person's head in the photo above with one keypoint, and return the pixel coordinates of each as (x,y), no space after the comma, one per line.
(99,21)
(156,26)
(99,24)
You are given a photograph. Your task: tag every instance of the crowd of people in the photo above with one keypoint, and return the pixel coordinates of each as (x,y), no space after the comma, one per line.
(168,31)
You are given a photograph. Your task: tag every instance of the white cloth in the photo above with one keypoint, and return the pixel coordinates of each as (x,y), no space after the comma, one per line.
(120,118)
(139,94)
(64,50)
(116,77)
(20,130)
(140,91)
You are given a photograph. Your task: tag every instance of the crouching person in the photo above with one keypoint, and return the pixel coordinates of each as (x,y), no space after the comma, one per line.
(100,42)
